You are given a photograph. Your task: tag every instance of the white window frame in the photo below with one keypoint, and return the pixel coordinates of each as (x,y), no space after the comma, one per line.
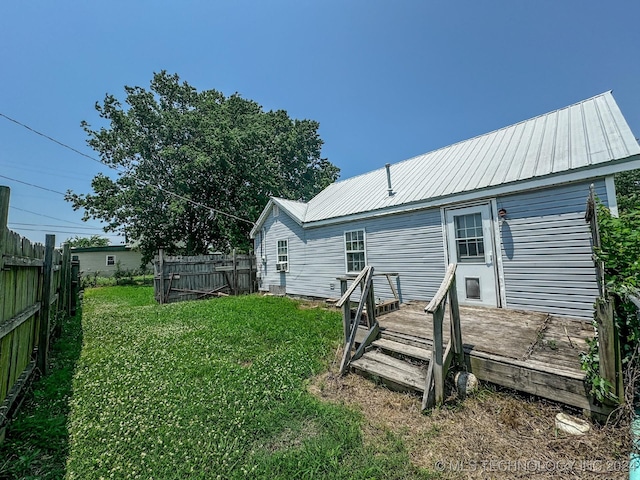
(276,210)
(110,264)
(282,258)
(348,252)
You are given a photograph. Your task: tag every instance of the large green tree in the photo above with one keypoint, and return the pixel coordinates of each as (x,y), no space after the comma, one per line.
(173,145)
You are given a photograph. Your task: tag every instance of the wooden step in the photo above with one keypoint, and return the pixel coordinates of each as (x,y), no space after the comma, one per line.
(399,348)
(406,339)
(396,374)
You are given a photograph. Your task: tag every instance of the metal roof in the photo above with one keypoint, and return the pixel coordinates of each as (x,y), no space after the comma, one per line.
(580,137)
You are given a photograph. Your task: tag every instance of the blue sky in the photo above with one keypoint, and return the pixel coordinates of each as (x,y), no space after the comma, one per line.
(386,80)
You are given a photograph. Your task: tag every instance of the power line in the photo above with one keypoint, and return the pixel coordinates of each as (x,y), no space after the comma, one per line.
(145,182)
(43,215)
(50,225)
(33,185)
(52,231)
(50,138)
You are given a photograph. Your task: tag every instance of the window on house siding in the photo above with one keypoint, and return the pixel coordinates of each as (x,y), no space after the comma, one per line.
(74,258)
(111,260)
(355,251)
(283,256)
(276,210)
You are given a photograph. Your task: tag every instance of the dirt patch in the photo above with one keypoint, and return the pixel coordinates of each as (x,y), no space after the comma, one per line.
(494,434)
(290,438)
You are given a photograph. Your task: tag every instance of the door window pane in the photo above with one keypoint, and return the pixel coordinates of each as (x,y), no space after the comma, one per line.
(469,240)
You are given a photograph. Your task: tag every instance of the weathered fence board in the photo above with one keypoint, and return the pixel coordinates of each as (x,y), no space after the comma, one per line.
(30,307)
(181,277)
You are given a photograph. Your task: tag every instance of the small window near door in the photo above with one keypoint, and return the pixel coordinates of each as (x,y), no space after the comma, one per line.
(469,241)
(111,260)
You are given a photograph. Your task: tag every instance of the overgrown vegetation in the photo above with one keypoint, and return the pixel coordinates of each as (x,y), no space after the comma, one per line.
(37,441)
(213,389)
(620,252)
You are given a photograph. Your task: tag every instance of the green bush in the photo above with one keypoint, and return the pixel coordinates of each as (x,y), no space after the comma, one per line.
(620,252)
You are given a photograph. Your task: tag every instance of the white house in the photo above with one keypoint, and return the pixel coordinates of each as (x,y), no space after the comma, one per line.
(507,206)
(104,261)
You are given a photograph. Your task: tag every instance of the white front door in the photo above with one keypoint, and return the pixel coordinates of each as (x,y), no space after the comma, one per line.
(470,242)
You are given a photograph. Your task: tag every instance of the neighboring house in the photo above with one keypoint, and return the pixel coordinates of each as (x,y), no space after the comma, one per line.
(104,260)
(507,206)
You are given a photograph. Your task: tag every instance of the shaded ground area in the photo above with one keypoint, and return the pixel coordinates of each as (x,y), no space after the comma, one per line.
(37,442)
(495,434)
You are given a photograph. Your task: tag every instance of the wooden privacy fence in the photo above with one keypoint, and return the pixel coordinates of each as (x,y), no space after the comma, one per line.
(180,277)
(36,291)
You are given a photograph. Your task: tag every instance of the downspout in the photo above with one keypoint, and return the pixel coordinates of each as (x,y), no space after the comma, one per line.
(634,458)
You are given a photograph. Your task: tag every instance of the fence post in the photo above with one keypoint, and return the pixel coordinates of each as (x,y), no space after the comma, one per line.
(45,310)
(235,273)
(161,275)
(4,217)
(65,277)
(74,285)
(609,347)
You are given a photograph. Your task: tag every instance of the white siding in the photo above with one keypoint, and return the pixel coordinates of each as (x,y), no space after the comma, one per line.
(409,244)
(92,262)
(546,250)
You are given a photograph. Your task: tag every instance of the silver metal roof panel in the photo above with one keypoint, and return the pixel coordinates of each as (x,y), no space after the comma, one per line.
(587,134)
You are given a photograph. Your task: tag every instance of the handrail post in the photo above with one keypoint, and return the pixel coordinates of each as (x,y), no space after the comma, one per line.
(438,374)
(454,319)
(441,358)
(365,276)
(346,310)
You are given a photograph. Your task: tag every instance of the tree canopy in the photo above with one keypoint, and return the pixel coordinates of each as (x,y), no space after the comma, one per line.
(92,241)
(178,151)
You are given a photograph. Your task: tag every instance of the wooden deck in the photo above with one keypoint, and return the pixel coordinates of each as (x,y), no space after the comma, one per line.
(531,352)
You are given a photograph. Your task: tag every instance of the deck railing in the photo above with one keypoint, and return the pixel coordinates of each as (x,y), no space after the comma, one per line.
(367,299)
(441,357)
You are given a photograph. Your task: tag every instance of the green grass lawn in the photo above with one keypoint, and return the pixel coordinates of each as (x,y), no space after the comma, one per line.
(213,389)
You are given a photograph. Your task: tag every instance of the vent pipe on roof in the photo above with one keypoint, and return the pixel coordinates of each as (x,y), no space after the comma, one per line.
(389,189)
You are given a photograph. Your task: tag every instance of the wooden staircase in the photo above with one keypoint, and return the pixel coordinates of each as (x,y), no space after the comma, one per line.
(398,365)
(401,362)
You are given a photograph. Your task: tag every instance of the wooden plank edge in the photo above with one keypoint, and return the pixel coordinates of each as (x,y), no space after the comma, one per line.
(15,393)
(403,381)
(549,385)
(18,261)
(13,323)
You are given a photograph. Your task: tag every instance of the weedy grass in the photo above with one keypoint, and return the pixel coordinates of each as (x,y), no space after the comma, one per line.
(37,439)
(213,389)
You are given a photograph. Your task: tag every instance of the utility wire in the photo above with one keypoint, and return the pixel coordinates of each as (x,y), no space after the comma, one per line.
(33,185)
(46,216)
(50,138)
(53,225)
(50,231)
(145,182)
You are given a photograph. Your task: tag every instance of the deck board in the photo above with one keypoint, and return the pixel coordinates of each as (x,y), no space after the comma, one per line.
(530,351)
